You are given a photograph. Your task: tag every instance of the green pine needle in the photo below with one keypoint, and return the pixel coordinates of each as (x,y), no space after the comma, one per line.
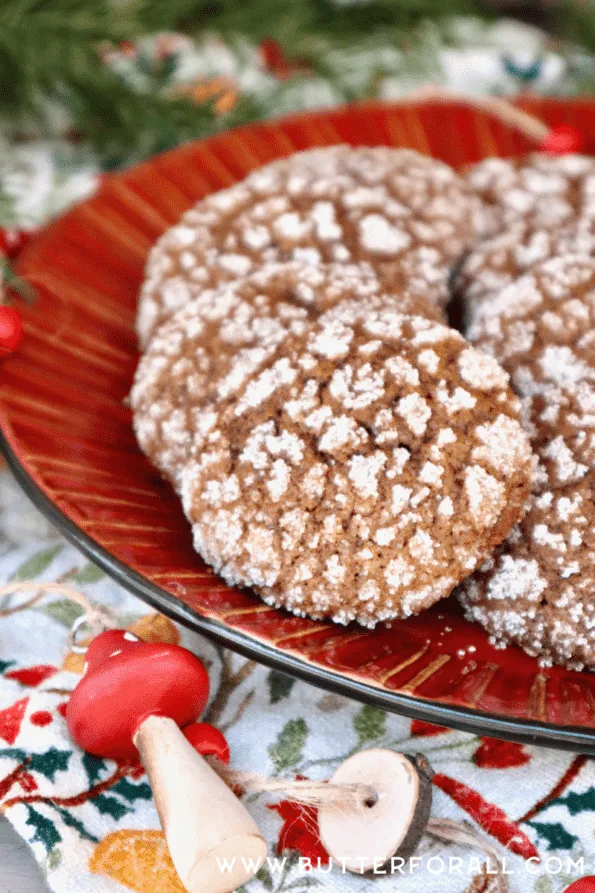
(50,51)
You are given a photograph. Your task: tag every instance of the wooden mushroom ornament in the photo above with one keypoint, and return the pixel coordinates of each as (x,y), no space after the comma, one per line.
(372,832)
(136,698)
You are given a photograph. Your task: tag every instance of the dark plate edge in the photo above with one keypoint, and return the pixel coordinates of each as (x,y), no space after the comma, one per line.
(573,738)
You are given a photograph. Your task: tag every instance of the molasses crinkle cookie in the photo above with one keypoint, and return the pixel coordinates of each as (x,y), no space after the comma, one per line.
(535,208)
(541,329)
(544,191)
(409,215)
(495,262)
(366,467)
(538,590)
(179,375)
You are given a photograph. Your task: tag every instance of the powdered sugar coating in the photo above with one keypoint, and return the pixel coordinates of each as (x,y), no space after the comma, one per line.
(545,191)
(209,347)
(541,329)
(407,214)
(497,261)
(536,207)
(337,482)
(538,590)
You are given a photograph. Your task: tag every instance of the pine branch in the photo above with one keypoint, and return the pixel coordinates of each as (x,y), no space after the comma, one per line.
(295,23)
(575,21)
(50,51)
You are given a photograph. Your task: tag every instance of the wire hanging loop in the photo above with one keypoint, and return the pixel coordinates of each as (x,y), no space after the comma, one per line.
(86,627)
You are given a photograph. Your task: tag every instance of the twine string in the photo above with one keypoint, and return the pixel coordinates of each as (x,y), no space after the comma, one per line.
(306,792)
(505,111)
(358,797)
(94,619)
(463,834)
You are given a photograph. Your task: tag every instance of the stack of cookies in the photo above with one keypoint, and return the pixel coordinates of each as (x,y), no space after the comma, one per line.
(336,445)
(530,304)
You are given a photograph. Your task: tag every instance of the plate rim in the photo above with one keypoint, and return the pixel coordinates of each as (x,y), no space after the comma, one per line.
(524,731)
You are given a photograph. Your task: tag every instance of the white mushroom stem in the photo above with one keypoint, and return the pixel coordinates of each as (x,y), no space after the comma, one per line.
(365,836)
(214,843)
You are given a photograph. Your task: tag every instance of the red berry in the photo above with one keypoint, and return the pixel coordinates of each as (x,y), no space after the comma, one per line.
(12,241)
(274,59)
(11,329)
(272,53)
(207,740)
(127,48)
(563,139)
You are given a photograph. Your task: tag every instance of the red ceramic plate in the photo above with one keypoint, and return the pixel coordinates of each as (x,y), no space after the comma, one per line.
(68,437)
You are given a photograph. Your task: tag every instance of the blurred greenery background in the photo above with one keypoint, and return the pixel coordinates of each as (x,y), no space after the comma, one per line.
(94,69)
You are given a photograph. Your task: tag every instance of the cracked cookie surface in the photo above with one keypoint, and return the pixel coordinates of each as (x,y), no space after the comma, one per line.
(188,364)
(541,329)
(538,590)
(535,208)
(409,215)
(498,261)
(544,191)
(369,464)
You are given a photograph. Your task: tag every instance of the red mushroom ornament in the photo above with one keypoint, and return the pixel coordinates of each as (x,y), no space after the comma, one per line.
(136,698)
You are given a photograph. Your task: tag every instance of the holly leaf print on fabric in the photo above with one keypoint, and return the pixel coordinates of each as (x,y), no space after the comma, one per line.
(93,766)
(279,685)
(287,750)
(132,792)
(369,723)
(69,820)
(5,664)
(45,830)
(13,753)
(50,762)
(543,885)
(111,806)
(53,860)
(35,565)
(556,835)
(264,876)
(576,803)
